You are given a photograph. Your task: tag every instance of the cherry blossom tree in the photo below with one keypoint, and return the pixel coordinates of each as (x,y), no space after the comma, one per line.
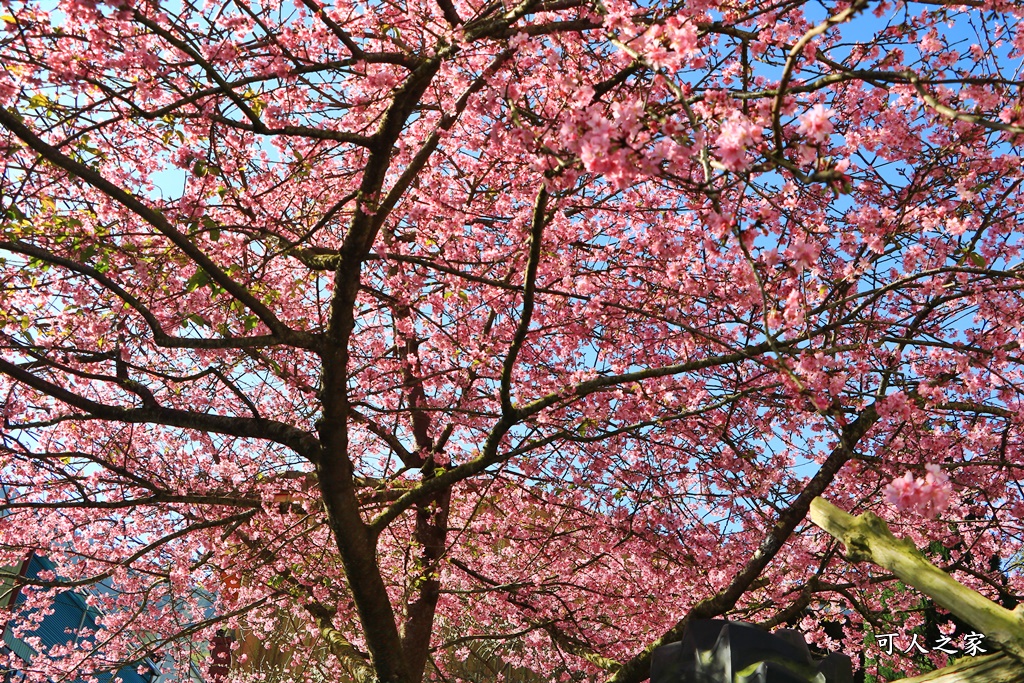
(396,329)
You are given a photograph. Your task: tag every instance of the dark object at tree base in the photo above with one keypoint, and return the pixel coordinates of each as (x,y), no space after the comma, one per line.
(720,651)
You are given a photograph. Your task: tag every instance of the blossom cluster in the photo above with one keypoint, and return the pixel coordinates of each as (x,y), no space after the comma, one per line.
(927,497)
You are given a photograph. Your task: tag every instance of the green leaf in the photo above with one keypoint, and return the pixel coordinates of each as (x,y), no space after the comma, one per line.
(199,279)
(197,319)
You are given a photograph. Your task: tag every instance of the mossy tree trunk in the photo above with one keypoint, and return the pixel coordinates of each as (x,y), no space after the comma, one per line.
(868,539)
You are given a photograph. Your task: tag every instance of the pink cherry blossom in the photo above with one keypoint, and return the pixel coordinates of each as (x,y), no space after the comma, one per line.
(927,497)
(803,254)
(816,123)
(736,135)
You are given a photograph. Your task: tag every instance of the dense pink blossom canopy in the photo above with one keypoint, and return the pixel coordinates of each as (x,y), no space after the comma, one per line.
(402,334)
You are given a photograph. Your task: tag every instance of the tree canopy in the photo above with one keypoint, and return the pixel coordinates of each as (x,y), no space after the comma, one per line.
(405,326)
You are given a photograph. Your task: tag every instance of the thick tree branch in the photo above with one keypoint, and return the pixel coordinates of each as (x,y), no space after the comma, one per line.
(638,668)
(303,443)
(529,292)
(14,124)
(160,337)
(352,660)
